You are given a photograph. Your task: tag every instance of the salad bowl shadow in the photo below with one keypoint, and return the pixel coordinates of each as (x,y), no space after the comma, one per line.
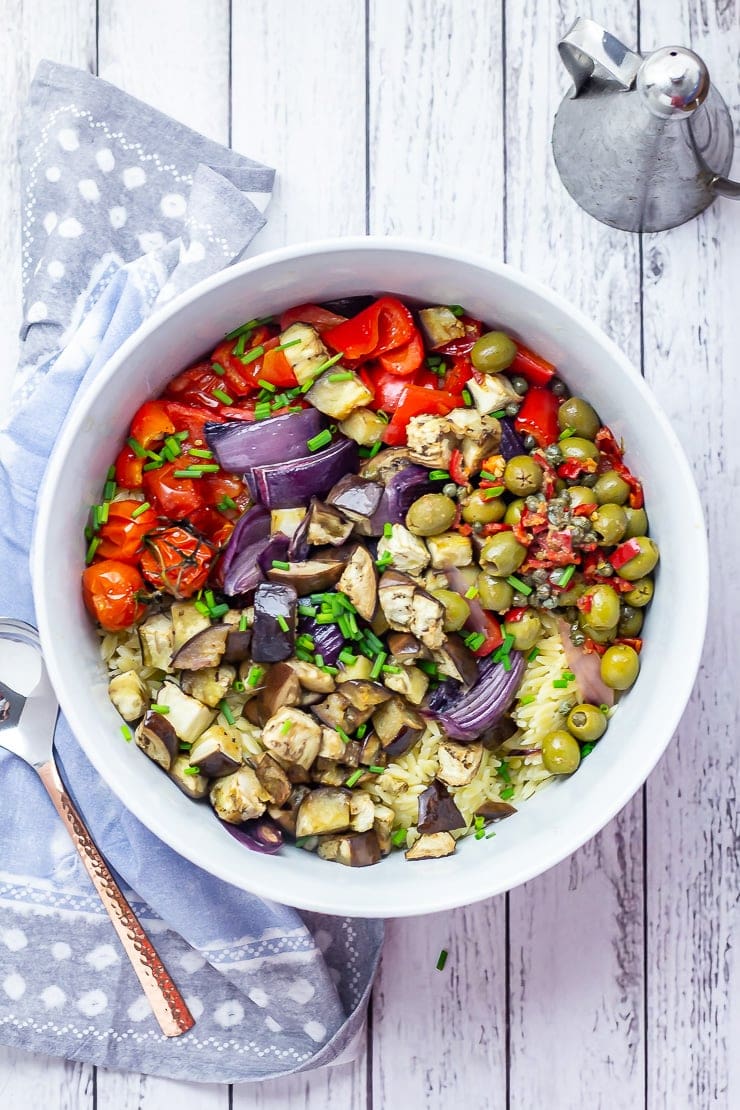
(559,818)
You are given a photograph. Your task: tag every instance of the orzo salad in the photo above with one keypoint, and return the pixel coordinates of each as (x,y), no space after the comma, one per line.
(367,577)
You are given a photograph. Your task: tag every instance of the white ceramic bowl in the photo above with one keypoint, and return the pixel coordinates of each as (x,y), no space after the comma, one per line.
(566,813)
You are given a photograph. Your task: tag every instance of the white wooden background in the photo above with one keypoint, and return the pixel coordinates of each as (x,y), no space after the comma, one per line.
(612,981)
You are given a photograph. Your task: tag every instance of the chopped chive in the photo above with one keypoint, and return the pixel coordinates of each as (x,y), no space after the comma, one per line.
(319,441)
(200,453)
(490,835)
(375,770)
(154,456)
(159,708)
(222,396)
(126,733)
(439,476)
(210,599)
(487,476)
(285,727)
(527,700)
(391,668)
(384,561)
(88,532)
(434,360)
(342,376)
(604,709)
(111,473)
(226,503)
(279,564)
(136,447)
(109,491)
(503,771)
(282,623)
(142,508)
(383,416)
(219,610)
(326,365)
(533,654)
(566,576)
(506,793)
(378,664)
(290,343)
(319,659)
(428,667)
(345,738)
(347,657)
(188,472)
(181,436)
(255,676)
(442,959)
(243,622)
(567,433)
(225,708)
(184,747)
(238,686)
(262,411)
(387,530)
(569,676)
(479,834)
(355,777)
(218,369)
(208,468)
(471,592)
(360,732)
(518,584)
(466,397)
(266,385)
(475,640)
(499,414)
(491,492)
(174,447)
(203,608)
(506,662)
(586,749)
(252,356)
(94,545)
(456,309)
(243,329)
(152,466)
(560,683)
(399,837)
(191,771)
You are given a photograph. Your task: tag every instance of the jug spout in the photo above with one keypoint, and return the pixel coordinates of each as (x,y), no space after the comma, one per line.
(589,50)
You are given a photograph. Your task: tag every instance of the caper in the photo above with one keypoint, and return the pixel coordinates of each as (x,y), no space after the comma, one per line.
(641,593)
(493,352)
(450,489)
(559,388)
(589,480)
(431,514)
(494,593)
(457,609)
(610,522)
(577,414)
(602,610)
(579,448)
(514,511)
(586,722)
(512,408)
(522,475)
(620,666)
(641,563)
(560,753)
(519,385)
(637,523)
(610,488)
(526,631)
(503,554)
(477,507)
(529,442)
(630,622)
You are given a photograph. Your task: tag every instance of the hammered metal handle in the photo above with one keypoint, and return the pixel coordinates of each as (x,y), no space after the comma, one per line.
(166,1001)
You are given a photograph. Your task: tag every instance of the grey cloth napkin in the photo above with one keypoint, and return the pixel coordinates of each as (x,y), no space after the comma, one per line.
(123,208)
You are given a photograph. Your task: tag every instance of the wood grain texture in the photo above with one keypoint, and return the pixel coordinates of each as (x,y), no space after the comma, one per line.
(431,73)
(343,1087)
(692,334)
(576,933)
(28,1082)
(298,103)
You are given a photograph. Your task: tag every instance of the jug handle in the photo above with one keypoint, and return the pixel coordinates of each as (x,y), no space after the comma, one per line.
(724,187)
(587,46)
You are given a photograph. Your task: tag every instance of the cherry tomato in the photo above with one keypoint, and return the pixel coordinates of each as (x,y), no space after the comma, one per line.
(192,419)
(176,561)
(122,534)
(277,370)
(212,524)
(240,379)
(173,497)
(111,592)
(151,424)
(129,468)
(214,487)
(196,386)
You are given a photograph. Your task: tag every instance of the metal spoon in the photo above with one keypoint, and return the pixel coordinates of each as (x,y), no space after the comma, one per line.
(28,713)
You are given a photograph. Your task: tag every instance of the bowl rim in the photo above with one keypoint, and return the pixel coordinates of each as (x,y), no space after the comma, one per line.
(487,884)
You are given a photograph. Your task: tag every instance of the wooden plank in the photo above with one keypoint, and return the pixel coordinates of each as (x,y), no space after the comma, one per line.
(298,103)
(435,174)
(128,1091)
(692,332)
(576,933)
(28,1080)
(175,59)
(63,30)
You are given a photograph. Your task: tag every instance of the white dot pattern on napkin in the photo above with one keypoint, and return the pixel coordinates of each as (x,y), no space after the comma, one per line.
(50,221)
(103,956)
(92,1003)
(229,1013)
(150,241)
(68,139)
(315,1030)
(55,269)
(53,173)
(258,996)
(191,961)
(133,177)
(173,205)
(14,986)
(118,216)
(272,1025)
(38,311)
(14,939)
(301,991)
(195,1005)
(53,997)
(105,160)
(88,189)
(139,1010)
(61,950)
(70,228)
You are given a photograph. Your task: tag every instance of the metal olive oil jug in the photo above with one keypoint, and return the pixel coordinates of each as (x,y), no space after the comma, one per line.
(641,142)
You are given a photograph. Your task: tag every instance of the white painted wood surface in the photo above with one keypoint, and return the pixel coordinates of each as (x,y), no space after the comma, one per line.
(610,981)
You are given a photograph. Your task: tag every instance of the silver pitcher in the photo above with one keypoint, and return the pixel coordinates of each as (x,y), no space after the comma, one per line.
(643,143)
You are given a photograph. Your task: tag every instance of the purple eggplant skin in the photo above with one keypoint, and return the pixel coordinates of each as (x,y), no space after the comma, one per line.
(239,446)
(204,649)
(291,485)
(274,605)
(261,835)
(308,577)
(276,550)
(157,738)
(237,645)
(404,741)
(512,443)
(495,811)
(356,498)
(401,490)
(437,810)
(328,640)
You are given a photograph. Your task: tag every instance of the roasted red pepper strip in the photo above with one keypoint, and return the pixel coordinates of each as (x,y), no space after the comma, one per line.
(151,424)
(382,326)
(417,401)
(538,416)
(192,419)
(458,375)
(465,344)
(493,635)
(537,370)
(513,615)
(277,370)
(612,450)
(458,471)
(634,642)
(573,468)
(405,360)
(624,553)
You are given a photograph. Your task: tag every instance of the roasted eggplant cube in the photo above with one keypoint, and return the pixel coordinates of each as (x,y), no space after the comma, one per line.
(204,649)
(239,797)
(339,399)
(157,638)
(210,685)
(129,695)
(398,726)
(311,576)
(494,810)
(188,716)
(440,325)
(293,737)
(216,753)
(237,645)
(353,850)
(356,498)
(324,810)
(432,846)
(193,786)
(273,636)
(273,778)
(157,738)
(286,815)
(409,681)
(326,525)
(362,811)
(383,825)
(359,582)
(458,763)
(281,687)
(187,621)
(437,810)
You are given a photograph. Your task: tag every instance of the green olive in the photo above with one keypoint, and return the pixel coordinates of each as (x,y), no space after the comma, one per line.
(630,622)
(431,514)
(578,448)
(522,475)
(610,489)
(560,753)
(577,414)
(526,631)
(586,722)
(494,593)
(642,563)
(598,635)
(457,609)
(610,521)
(569,596)
(478,507)
(503,554)
(493,352)
(620,666)
(637,523)
(514,511)
(581,495)
(641,593)
(603,612)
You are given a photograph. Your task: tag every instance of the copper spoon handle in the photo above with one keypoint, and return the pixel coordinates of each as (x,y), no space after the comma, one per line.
(166,1001)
